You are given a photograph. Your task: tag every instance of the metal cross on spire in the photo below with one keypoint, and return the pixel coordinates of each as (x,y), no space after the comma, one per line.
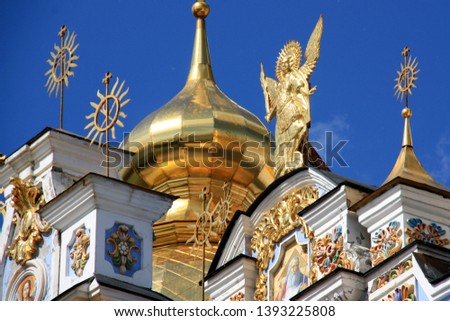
(111,115)
(210,223)
(61,64)
(406,76)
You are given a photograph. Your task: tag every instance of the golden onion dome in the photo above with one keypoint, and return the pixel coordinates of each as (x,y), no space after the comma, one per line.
(200,138)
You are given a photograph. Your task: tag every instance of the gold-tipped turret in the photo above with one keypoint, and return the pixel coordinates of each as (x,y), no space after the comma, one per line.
(407,165)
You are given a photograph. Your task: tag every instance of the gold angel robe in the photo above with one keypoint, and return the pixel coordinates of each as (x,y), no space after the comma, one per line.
(288,100)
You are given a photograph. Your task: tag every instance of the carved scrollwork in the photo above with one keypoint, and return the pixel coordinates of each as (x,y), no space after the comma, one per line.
(79,253)
(278,222)
(27,199)
(237,297)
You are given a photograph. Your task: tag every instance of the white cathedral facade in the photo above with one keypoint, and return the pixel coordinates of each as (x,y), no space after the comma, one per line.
(71,233)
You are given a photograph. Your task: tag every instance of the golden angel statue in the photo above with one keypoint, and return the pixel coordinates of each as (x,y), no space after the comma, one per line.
(288,100)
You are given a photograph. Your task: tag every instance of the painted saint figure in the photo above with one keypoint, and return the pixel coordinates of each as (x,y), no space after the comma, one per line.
(293,282)
(26,290)
(288,100)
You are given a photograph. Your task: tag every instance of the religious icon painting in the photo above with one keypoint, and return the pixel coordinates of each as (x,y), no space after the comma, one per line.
(28,283)
(27,288)
(291,273)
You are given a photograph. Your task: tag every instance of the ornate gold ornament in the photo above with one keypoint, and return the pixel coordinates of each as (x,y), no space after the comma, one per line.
(111,114)
(2,204)
(288,100)
(406,76)
(123,243)
(79,252)
(274,225)
(61,64)
(2,159)
(204,226)
(212,221)
(407,165)
(27,199)
(222,212)
(237,297)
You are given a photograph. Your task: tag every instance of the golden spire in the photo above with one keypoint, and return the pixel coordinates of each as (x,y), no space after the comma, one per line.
(201,60)
(407,165)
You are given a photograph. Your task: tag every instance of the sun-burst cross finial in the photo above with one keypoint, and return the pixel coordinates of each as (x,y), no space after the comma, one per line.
(406,76)
(111,114)
(61,65)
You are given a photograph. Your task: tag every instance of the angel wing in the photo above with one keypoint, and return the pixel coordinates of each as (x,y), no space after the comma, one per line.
(313,49)
(269,86)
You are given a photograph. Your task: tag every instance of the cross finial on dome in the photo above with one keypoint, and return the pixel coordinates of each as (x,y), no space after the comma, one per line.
(407,165)
(201,60)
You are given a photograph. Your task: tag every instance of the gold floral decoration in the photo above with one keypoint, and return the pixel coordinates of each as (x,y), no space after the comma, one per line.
(278,222)
(328,252)
(387,242)
(79,252)
(27,199)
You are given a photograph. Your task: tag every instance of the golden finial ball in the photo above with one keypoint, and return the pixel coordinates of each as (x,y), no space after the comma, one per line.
(406,112)
(200,10)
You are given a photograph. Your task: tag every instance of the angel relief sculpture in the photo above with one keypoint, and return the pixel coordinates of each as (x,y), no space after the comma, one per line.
(288,100)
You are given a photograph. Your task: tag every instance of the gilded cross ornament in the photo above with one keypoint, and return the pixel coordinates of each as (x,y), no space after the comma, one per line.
(406,76)
(222,211)
(274,225)
(79,253)
(111,114)
(211,222)
(204,226)
(27,199)
(288,98)
(62,61)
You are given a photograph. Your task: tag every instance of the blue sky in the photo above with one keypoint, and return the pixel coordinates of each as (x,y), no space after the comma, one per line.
(148,44)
